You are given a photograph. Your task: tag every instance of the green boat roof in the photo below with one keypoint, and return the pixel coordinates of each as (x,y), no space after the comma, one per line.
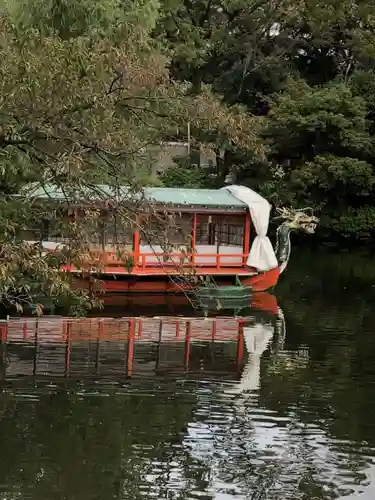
(179,197)
(195,197)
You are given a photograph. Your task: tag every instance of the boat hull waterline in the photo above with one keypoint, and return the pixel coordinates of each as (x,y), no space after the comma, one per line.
(143,284)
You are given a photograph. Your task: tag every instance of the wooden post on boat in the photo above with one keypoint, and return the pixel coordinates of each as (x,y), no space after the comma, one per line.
(130,348)
(187,344)
(194,240)
(240,343)
(246,241)
(136,245)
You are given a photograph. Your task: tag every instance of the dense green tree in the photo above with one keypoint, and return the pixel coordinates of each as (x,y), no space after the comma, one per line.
(304,68)
(283,93)
(185,174)
(322,148)
(80,107)
(225,42)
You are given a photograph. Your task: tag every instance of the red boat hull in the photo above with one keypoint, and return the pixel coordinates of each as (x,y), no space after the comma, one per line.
(264,281)
(164,284)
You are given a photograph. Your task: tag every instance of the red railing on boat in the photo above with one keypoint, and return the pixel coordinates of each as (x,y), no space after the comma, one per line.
(141,260)
(163,259)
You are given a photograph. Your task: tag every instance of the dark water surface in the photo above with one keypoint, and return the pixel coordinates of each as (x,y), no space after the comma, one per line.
(294,418)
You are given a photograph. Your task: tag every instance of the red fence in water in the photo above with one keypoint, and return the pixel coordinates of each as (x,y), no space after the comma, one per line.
(58,329)
(123,333)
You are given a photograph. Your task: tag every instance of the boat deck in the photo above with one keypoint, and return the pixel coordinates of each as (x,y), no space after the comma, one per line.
(171,271)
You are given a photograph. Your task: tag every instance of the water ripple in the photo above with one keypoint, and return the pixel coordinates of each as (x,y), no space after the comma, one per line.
(191,420)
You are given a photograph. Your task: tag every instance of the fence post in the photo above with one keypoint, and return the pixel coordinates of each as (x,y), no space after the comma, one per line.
(68,327)
(187,343)
(35,347)
(177,328)
(240,343)
(159,343)
(24,329)
(213,331)
(130,348)
(4,329)
(97,354)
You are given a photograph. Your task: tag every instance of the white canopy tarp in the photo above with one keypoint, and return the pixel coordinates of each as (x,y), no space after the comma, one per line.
(262,255)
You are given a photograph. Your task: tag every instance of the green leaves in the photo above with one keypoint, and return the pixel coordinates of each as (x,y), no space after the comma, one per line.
(339,177)
(355,223)
(304,72)
(84,93)
(185,175)
(316,117)
(66,17)
(321,137)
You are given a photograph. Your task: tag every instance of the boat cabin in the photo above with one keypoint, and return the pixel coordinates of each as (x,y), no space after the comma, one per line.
(173,231)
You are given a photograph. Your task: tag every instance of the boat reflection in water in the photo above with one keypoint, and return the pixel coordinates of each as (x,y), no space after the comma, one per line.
(118,347)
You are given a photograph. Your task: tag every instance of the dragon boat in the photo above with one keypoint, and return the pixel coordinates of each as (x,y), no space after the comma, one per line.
(215,236)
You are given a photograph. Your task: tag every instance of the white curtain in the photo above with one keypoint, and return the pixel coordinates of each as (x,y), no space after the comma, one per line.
(262,255)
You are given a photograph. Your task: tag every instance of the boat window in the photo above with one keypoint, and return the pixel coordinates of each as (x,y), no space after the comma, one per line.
(39,231)
(207,230)
(180,230)
(54,227)
(231,231)
(219,230)
(91,222)
(117,231)
(90,225)
(167,230)
(58,230)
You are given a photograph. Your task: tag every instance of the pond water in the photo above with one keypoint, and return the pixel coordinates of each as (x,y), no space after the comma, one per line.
(289,413)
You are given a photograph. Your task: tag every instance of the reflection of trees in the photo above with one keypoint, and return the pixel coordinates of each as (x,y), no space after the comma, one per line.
(324,385)
(68,446)
(304,435)
(337,370)
(308,432)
